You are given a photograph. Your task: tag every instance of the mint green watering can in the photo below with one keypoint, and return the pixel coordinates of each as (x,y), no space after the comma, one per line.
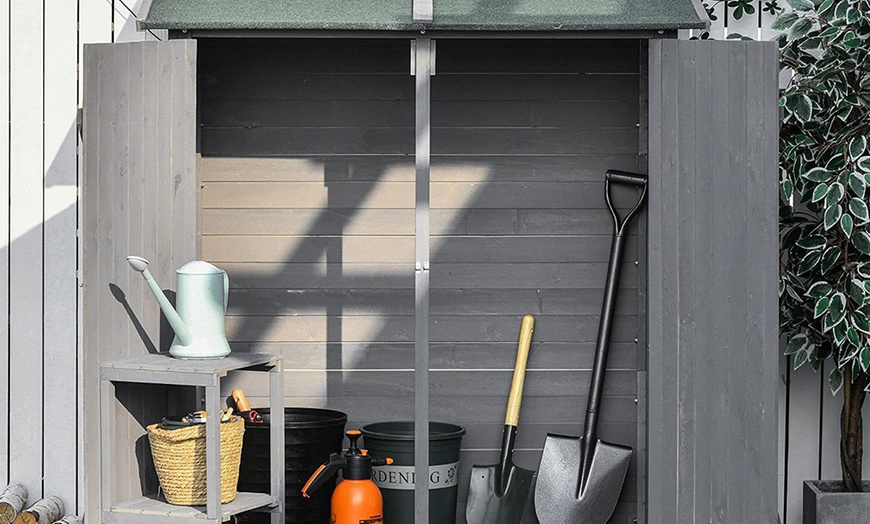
(201,302)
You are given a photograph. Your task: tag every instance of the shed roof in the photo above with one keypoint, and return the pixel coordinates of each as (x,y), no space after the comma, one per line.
(395,15)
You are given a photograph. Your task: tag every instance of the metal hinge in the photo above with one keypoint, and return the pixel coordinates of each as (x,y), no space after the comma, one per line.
(431,57)
(79,120)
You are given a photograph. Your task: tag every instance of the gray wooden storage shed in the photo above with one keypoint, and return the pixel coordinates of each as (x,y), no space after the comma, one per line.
(391,187)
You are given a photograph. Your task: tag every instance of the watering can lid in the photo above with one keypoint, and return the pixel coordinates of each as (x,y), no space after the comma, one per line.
(198,267)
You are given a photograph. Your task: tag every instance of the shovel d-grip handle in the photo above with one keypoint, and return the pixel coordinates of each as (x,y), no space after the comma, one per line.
(614,176)
(607,310)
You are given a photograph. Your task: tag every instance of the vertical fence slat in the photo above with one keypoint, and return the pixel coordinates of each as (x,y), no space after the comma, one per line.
(4,240)
(803,429)
(60,251)
(25,251)
(746,25)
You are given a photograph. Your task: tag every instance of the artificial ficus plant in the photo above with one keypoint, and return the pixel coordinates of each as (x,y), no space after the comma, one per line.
(824,284)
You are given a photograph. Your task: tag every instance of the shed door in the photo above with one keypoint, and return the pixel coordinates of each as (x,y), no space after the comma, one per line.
(139,198)
(713,276)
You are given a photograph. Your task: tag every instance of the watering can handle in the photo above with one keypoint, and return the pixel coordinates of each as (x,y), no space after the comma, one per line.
(226,291)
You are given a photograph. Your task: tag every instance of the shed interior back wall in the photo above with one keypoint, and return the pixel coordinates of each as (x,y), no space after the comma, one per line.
(307,202)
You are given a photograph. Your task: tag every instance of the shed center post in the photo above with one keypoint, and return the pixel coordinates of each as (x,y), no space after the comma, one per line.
(422,68)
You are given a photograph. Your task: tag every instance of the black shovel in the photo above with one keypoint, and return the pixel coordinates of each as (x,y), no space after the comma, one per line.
(498,493)
(580,478)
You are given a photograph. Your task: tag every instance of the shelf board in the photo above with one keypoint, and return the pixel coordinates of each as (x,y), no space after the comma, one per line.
(154,507)
(162,362)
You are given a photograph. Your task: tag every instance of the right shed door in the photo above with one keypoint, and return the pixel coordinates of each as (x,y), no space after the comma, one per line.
(713,276)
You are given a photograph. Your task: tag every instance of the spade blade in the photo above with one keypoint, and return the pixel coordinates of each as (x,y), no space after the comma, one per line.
(558,498)
(488,504)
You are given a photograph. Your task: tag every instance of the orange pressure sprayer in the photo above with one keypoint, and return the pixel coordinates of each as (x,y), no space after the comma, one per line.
(356,499)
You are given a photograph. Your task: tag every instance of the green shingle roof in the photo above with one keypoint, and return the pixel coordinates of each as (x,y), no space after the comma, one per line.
(395,15)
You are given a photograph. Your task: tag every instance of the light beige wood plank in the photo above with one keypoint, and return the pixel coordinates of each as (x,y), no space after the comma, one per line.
(308,249)
(445,168)
(468,328)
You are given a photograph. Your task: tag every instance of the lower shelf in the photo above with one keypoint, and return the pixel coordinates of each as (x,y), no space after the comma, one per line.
(152,507)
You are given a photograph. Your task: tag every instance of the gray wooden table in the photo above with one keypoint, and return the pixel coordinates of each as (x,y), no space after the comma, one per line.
(163,369)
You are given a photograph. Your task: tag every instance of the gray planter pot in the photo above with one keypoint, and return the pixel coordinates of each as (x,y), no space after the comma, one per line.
(825,503)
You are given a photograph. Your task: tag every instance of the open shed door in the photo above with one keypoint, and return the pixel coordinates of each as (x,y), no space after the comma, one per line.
(713,276)
(139,198)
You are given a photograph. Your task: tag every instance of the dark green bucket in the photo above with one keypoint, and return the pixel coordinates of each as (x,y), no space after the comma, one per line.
(396,440)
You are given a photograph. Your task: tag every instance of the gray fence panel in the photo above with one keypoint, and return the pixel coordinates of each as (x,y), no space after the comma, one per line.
(713,350)
(139,187)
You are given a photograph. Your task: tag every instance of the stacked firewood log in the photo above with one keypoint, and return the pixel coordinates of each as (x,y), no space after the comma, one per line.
(49,510)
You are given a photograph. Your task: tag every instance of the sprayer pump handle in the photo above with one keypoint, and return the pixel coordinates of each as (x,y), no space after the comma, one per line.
(353,436)
(324,473)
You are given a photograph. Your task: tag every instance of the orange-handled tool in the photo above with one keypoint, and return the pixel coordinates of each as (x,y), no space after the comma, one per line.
(244,407)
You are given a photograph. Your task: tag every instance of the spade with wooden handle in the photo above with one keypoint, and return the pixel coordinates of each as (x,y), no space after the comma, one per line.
(498,493)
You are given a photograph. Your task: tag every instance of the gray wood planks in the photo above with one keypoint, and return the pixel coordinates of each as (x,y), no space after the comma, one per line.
(139,194)
(713,273)
(307,203)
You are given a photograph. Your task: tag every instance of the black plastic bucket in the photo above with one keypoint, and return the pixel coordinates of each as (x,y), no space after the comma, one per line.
(310,435)
(396,440)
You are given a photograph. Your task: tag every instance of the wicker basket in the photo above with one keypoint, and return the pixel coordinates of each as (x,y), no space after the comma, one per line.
(179,457)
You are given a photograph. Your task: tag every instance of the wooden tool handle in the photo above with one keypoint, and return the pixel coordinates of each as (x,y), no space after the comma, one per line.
(242,404)
(516,397)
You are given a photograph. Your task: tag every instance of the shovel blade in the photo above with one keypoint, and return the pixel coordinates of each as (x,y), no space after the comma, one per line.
(557,495)
(486,505)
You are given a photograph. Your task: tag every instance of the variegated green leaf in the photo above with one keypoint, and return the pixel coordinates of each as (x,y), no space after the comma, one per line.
(800,359)
(835,380)
(846,224)
(822,306)
(835,194)
(858,209)
(797,343)
(830,257)
(820,289)
(861,241)
(852,337)
(818,174)
(857,184)
(859,320)
(832,216)
(820,192)
(811,242)
(857,146)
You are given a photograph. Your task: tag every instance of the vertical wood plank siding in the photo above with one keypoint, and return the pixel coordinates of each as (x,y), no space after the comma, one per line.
(60,290)
(713,274)
(122,205)
(308,203)
(26,249)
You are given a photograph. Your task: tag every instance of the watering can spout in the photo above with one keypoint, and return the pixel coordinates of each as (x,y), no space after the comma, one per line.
(181,330)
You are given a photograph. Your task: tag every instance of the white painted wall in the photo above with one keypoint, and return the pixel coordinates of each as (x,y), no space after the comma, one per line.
(40,56)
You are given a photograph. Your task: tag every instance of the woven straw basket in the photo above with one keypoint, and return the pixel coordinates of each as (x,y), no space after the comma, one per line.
(179,457)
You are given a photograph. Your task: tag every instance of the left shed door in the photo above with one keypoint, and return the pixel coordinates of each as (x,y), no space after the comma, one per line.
(139,198)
